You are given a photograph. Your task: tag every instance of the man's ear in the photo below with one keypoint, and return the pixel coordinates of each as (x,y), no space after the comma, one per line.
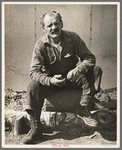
(61,24)
(43,29)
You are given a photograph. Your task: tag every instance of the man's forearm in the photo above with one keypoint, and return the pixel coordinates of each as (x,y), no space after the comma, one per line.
(86,64)
(43,78)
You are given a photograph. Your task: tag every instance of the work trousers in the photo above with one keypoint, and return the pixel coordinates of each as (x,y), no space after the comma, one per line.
(36,92)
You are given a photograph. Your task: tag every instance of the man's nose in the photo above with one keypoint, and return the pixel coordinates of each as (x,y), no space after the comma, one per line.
(54,26)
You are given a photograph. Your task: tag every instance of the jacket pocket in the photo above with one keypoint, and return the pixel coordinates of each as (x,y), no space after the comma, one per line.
(68,60)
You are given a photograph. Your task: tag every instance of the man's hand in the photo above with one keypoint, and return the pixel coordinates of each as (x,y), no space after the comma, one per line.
(56,80)
(73,74)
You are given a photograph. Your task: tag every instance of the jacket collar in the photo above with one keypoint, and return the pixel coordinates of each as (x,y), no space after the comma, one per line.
(46,39)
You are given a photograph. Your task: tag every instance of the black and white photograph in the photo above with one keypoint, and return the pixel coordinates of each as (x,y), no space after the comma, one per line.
(60,75)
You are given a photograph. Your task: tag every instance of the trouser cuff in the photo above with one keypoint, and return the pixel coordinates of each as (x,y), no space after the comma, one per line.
(28,107)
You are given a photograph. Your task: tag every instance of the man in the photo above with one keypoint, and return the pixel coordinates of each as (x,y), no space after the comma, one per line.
(54,67)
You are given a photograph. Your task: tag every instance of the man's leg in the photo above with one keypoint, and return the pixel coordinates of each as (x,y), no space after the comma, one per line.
(90,84)
(93,80)
(35,99)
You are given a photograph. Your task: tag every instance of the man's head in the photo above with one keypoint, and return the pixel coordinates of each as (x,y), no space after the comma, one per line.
(52,24)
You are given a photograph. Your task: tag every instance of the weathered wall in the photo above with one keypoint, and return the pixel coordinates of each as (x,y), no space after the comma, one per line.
(95,24)
(104,42)
(19,42)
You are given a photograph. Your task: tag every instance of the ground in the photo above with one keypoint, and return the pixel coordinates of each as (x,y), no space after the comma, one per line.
(64,134)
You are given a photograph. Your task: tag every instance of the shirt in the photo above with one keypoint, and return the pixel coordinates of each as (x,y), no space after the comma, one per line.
(48,60)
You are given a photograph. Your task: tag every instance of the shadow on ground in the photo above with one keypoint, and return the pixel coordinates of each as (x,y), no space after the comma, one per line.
(72,132)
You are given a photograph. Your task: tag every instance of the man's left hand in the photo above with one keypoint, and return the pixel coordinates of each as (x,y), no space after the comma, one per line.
(74,74)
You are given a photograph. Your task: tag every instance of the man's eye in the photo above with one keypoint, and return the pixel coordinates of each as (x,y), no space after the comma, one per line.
(56,24)
(50,25)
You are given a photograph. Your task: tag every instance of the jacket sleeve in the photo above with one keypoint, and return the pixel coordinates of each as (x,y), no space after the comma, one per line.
(87,59)
(38,71)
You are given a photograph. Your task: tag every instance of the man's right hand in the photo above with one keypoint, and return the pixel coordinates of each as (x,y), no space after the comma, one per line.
(57,81)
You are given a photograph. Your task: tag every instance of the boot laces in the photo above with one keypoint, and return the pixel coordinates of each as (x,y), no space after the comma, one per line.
(34,121)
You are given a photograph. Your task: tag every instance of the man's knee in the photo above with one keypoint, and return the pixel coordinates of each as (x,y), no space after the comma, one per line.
(97,70)
(33,85)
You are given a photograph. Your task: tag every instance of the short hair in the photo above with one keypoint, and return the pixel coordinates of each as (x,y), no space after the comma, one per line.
(50,13)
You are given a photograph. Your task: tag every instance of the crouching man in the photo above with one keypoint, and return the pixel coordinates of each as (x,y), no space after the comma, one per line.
(55,67)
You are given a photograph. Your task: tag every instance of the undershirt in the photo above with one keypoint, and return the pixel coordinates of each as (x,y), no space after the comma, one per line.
(59,48)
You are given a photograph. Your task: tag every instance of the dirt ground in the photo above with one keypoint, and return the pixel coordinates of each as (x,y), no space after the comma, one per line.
(65,134)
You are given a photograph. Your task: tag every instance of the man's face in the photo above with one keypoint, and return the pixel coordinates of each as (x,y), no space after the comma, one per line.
(53,26)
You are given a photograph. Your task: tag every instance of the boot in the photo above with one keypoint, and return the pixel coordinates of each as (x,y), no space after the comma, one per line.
(86,116)
(35,131)
(84,112)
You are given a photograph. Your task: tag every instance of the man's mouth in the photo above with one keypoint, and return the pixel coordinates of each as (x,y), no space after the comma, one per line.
(55,31)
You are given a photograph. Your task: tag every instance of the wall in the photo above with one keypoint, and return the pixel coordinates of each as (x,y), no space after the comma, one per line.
(96,25)
(19,42)
(104,42)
